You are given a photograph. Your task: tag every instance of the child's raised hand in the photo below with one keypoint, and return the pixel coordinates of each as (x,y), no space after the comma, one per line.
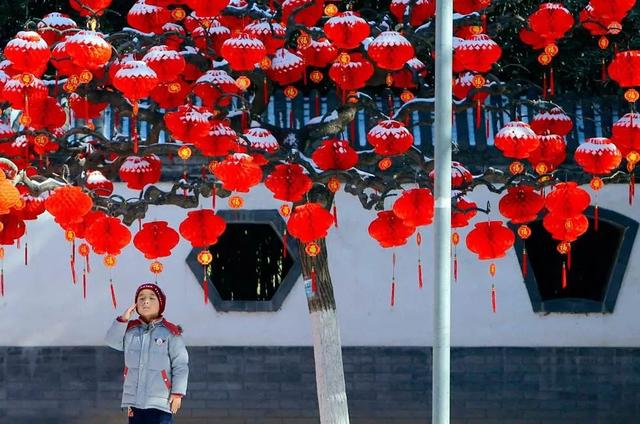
(127,314)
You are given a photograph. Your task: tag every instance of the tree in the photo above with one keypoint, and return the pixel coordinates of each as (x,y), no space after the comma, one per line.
(166,72)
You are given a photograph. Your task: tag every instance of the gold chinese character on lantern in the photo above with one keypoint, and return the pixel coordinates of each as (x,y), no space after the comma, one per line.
(243,82)
(236,202)
(156,267)
(316,76)
(205,257)
(524,232)
(312,249)
(290,91)
(333,184)
(178,14)
(331,10)
(184,152)
(285,210)
(385,164)
(109,261)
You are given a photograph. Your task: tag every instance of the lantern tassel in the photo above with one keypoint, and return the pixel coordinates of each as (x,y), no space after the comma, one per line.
(552,85)
(524,262)
(205,285)
(420,284)
(26,253)
(284,244)
(266,91)
(87,263)
(494,303)
(113,294)
(73,271)
(632,188)
(544,86)
(335,215)
(487,125)
(2,282)
(564,276)
(596,215)
(393,292)
(134,129)
(314,280)
(455,267)
(84,285)
(478,113)
(73,250)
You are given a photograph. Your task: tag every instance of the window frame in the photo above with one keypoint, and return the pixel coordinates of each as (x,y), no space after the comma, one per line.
(269,217)
(629,228)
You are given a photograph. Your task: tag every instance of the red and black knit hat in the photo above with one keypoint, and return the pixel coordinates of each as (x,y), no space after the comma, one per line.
(162,299)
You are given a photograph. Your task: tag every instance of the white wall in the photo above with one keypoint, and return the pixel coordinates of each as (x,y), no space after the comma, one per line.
(42,307)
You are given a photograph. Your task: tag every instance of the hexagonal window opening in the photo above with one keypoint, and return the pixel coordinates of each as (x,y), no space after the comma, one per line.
(598,263)
(250,270)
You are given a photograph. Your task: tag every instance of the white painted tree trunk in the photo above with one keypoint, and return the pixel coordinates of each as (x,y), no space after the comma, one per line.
(327,349)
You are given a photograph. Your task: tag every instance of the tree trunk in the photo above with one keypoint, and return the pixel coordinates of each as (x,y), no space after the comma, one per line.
(327,347)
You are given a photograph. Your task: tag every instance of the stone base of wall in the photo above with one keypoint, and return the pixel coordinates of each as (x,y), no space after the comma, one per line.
(276,385)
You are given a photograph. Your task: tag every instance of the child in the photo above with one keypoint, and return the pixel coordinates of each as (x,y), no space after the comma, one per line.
(155,357)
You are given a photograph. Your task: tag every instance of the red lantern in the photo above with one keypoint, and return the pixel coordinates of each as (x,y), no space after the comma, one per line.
(23,91)
(88,49)
(174,35)
(465,7)
(611,11)
(147,17)
(477,54)
(550,153)
(68,204)
(350,71)
(156,239)
(490,240)
(47,114)
(107,235)
(460,176)
(170,95)
(390,50)
(53,26)
(238,172)
(79,229)
(167,64)
(463,84)
(463,212)
(212,85)
(288,182)
(421,10)
(309,222)
(307,16)
(28,52)
(389,230)
(415,207)
(521,204)
(335,154)
(209,35)
(516,140)
(243,52)
(189,123)
(565,229)
(137,172)
(61,60)
(12,229)
(83,108)
(9,195)
(272,34)
(567,200)
(219,141)
(407,76)
(346,30)
(553,121)
(390,138)
(598,156)
(135,80)
(623,70)
(625,133)
(286,67)
(33,207)
(318,53)
(202,228)
(207,7)
(547,25)
(90,7)
(261,139)
(98,183)
(594,24)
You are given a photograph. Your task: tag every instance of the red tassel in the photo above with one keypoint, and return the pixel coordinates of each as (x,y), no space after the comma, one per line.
(478,113)
(390,104)
(84,285)
(87,262)
(595,218)
(2,282)
(205,285)
(419,274)
(284,244)
(494,303)
(18,244)
(73,271)
(632,188)
(73,250)
(335,215)
(455,267)
(291,123)
(564,276)
(544,85)
(317,102)
(26,253)
(483,19)
(487,125)
(314,280)
(113,295)
(603,72)
(134,129)
(524,262)
(393,292)
(266,91)
(552,85)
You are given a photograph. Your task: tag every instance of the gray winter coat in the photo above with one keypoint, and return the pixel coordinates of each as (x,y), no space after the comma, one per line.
(156,362)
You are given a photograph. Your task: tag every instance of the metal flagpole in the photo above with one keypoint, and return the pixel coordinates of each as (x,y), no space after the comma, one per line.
(440,407)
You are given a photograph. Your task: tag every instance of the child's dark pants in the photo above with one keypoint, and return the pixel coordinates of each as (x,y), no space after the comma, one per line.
(150,416)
